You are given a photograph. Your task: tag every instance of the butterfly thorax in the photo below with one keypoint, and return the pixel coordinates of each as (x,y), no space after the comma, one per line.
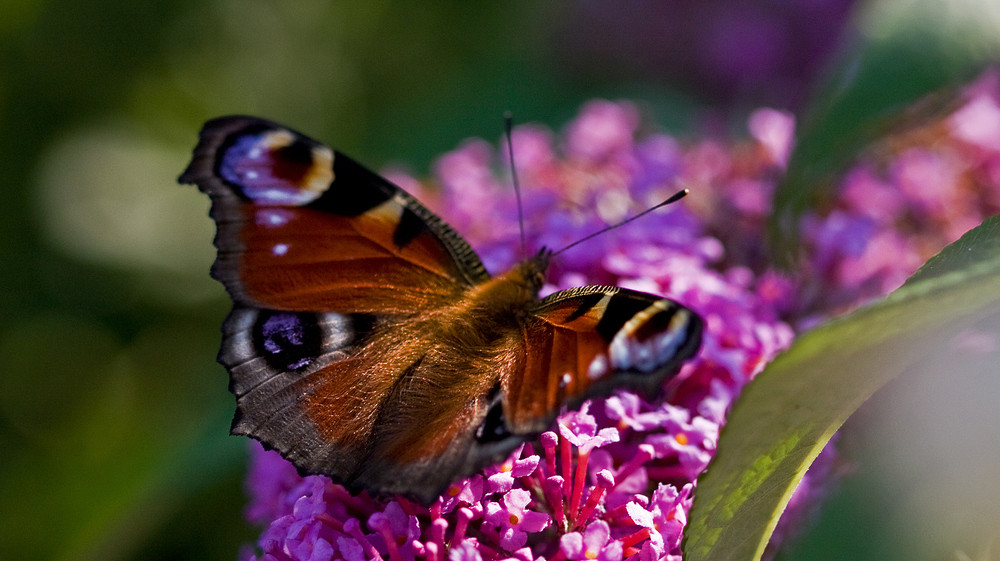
(512,293)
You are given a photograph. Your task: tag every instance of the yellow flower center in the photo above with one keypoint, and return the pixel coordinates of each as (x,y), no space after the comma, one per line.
(681,438)
(514,519)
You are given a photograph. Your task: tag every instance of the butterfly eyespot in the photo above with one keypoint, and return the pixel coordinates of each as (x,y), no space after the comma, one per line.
(276,167)
(287,340)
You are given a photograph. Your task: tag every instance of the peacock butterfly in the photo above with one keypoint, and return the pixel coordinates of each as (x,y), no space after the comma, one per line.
(368,343)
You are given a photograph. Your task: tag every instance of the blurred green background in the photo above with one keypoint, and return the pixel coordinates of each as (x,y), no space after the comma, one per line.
(113,413)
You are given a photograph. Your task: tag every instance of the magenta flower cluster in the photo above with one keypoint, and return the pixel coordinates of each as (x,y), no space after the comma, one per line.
(614,480)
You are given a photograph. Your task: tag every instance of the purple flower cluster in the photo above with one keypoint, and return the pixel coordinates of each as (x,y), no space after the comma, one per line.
(614,480)
(904,201)
(901,201)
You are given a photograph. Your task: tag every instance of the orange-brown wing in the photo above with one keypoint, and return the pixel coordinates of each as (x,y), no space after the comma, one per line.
(303,227)
(587,341)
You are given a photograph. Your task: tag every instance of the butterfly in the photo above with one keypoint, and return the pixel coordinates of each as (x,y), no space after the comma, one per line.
(368,343)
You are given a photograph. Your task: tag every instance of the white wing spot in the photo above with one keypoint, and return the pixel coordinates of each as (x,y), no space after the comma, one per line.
(272,217)
(565,380)
(598,367)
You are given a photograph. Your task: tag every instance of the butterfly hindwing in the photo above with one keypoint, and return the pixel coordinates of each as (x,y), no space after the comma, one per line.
(280,362)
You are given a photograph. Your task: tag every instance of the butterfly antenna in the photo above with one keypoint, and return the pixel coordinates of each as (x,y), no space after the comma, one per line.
(508,126)
(672,199)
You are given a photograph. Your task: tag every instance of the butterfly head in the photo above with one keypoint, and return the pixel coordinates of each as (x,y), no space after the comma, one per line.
(514,290)
(533,269)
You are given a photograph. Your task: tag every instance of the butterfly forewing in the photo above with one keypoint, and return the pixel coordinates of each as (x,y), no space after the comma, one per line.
(586,341)
(303,227)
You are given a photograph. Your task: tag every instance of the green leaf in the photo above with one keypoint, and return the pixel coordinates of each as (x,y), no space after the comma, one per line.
(785,416)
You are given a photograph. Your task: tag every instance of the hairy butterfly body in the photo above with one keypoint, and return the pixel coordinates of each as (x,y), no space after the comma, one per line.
(367,342)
